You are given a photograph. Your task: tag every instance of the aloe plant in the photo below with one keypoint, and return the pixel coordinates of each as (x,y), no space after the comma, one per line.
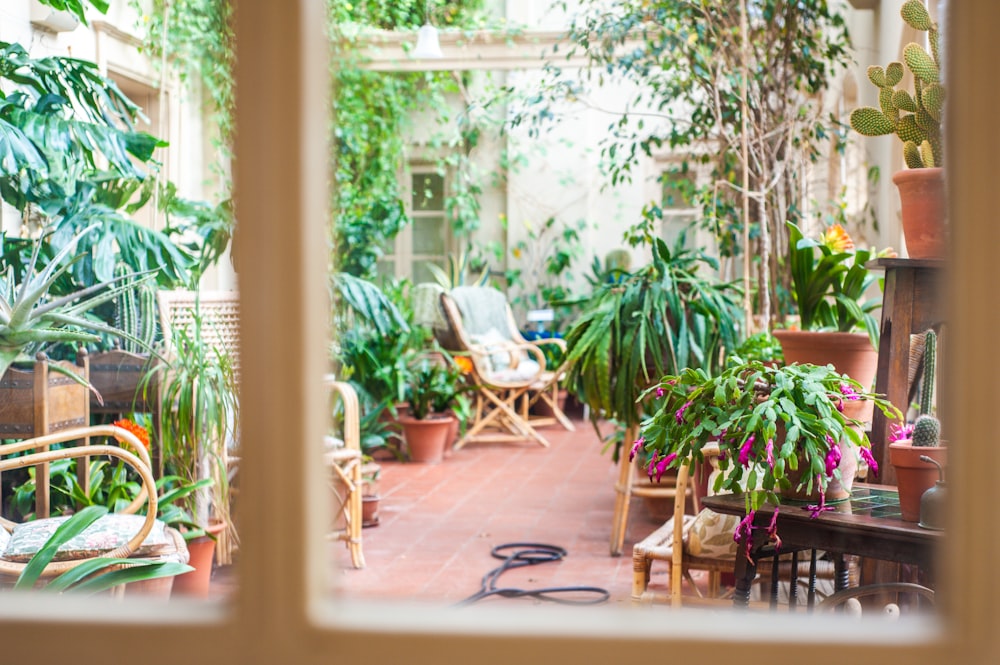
(30,318)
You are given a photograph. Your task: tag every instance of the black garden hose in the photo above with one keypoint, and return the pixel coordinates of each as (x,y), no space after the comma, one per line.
(530,554)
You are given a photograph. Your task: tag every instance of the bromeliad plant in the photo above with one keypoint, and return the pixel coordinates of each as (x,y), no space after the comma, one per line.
(768,422)
(829,282)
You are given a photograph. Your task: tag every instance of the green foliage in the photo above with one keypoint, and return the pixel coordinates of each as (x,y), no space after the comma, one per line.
(77,7)
(829,281)
(198,43)
(930,365)
(926,431)
(685,61)
(747,409)
(199,389)
(540,273)
(915,119)
(661,319)
(432,385)
(372,117)
(762,346)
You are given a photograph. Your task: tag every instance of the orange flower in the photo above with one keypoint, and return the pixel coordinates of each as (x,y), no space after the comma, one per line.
(139,431)
(836,239)
(464,364)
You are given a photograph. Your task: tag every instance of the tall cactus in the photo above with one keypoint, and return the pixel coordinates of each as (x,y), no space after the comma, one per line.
(136,313)
(915,119)
(930,364)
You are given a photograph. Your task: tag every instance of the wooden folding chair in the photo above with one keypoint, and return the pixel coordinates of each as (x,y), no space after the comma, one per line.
(505,368)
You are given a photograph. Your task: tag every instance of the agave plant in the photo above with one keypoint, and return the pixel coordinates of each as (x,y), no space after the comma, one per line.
(30,318)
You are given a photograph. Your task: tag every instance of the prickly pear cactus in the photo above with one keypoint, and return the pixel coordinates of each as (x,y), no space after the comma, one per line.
(927,431)
(915,119)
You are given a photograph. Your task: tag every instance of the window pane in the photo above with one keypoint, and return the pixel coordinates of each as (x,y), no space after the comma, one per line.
(428,192)
(678,190)
(428,235)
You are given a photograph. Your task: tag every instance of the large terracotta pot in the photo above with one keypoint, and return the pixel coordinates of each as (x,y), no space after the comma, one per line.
(849,353)
(922,195)
(201,551)
(425,438)
(914,477)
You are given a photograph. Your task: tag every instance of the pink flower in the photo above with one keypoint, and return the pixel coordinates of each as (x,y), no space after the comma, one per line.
(662,465)
(679,414)
(660,391)
(832,459)
(900,432)
(816,510)
(772,530)
(769,451)
(849,392)
(651,468)
(635,447)
(866,455)
(745,450)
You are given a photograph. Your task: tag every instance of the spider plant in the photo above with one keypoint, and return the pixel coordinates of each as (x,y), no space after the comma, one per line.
(660,319)
(198,389)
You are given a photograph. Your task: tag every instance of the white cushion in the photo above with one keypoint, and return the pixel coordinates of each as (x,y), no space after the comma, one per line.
(106,534)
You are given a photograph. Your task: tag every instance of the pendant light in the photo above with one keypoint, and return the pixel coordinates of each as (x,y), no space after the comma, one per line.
(428,45)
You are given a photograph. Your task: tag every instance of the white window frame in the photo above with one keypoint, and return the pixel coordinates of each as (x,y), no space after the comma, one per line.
(404,255)
(282,611)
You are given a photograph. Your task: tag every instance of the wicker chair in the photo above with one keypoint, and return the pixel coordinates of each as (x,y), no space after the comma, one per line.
(508,372)
(661,545)
(120,535)
(344,463)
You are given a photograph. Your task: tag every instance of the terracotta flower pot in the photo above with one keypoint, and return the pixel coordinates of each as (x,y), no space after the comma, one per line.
(850,353)
(201,550)
(425,438)
(369,510)
(922,195)
(914,477)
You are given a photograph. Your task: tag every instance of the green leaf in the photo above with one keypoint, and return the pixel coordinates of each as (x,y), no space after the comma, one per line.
(68,530)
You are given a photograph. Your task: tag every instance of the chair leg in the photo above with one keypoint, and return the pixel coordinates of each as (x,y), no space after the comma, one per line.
(355,523)
(623,495)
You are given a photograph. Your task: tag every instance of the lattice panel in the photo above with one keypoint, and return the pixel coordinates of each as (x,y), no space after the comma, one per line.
(220,312)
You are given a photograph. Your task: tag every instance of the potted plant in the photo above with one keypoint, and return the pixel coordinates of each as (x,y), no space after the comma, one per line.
(921,439)
(200,406)
(431,383)
(781,430)
(829,286)
(916,120)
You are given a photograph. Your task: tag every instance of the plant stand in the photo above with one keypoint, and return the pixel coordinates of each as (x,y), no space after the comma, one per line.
(39,401)
(910,304)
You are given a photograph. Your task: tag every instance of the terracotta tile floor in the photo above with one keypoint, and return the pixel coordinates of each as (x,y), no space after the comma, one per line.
(439,522)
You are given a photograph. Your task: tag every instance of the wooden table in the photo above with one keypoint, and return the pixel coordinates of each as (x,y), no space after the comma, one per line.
(868,524)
